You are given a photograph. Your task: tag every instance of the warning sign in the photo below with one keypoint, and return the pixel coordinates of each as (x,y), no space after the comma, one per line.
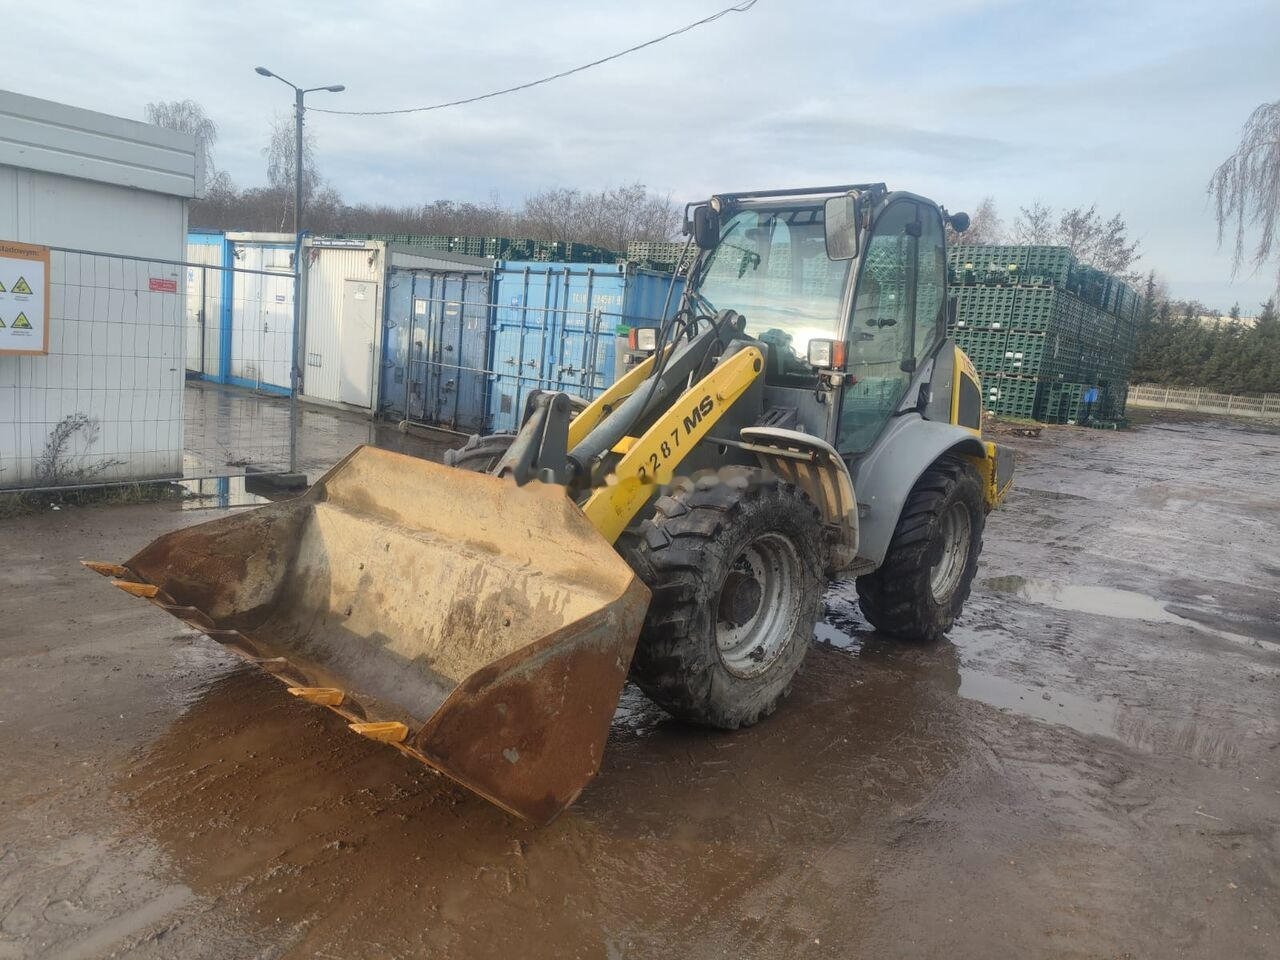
(24,297)
(162,285)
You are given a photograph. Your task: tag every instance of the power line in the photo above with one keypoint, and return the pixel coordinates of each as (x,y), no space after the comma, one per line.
(742,7)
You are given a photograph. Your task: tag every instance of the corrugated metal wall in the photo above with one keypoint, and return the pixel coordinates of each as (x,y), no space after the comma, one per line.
(328,268)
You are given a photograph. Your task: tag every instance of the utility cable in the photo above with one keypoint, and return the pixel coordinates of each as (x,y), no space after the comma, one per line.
(742,7)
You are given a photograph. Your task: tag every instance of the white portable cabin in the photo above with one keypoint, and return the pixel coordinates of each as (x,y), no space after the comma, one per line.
(87,181)
(345,283)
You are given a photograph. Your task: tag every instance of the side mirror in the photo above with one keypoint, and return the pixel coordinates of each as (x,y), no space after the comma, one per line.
(842,227)
(959,222)
(706,227)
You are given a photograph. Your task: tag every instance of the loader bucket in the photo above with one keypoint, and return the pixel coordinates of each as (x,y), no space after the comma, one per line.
(483,628)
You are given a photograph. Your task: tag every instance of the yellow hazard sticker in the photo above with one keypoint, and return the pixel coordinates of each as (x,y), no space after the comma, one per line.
(20,322)
(1,323)
(2,288)
(21,286)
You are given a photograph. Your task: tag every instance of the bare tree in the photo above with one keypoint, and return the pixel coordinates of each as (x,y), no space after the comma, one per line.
(1246,186)
(609,218)
(280,164)
(1104,244)
(188,116)
(1033,225)
(985,226)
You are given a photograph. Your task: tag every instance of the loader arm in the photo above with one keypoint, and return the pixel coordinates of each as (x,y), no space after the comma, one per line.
(652,458)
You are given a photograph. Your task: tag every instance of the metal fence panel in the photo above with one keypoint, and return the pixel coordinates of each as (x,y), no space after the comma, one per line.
(112,403)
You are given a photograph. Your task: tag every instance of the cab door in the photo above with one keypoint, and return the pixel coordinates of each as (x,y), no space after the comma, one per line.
(897,318)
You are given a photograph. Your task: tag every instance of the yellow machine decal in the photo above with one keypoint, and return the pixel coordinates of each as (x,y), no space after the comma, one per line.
(653,458)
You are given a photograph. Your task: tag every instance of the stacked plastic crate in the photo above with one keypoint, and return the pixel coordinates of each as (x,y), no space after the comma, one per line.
(661,255)
(1052,338)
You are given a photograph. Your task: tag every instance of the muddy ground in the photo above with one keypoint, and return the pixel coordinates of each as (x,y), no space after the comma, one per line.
(1089,768)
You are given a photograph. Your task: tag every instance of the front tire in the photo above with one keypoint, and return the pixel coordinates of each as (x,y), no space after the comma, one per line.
(919,590)
(735,564)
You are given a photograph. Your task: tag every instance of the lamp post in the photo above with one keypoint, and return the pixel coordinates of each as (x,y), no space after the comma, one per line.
(299,107)
(295,368)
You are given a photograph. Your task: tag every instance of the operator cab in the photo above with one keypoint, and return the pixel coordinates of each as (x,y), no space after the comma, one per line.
(845,285)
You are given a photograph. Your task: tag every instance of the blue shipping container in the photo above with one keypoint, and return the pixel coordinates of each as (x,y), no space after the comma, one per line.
(555,328)
(436,348)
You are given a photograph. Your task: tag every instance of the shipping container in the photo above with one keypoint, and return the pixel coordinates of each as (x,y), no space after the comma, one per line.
(436,347)
(345,284)
(239,309)
(556,327)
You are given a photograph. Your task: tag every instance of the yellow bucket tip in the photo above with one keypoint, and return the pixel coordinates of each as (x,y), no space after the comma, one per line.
(144,590)
(384,732)
(324,696)
(106,569)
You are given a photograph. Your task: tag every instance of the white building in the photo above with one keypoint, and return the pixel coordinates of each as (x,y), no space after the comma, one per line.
(112,380)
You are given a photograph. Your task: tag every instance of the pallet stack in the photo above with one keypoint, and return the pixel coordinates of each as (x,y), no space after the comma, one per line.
(497,248)
(1052,338)
(663,255)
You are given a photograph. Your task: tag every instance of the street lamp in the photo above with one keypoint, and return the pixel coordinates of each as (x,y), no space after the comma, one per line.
(299,107)
(295,368)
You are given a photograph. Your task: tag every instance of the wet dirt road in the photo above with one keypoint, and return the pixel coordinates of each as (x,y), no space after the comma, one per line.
(1089,768)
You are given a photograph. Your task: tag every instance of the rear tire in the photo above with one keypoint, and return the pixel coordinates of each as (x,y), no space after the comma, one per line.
(920,589)
(735,564)
(480,454)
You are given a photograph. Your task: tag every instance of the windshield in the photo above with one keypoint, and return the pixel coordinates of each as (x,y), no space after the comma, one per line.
(771,266)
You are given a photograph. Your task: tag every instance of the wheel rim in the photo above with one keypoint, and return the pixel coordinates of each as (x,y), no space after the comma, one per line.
(956,532)
(751,635)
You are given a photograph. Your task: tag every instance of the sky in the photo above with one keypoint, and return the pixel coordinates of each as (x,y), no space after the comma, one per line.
(1129,105)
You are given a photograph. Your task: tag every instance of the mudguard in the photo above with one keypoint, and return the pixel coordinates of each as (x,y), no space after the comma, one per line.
(886,474)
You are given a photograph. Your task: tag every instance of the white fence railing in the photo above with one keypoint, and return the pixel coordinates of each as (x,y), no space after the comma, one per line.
(1265,407)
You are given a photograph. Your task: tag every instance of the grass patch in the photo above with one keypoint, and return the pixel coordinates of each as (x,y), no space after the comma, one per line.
(23,504)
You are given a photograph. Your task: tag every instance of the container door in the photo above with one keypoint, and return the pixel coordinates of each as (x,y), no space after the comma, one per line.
(522,318)
(277,322)
(355,369)
(445,351)
(196,302)
(473,355)
(392,386)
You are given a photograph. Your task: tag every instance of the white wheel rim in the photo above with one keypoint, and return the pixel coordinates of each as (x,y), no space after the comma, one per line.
(749,648)
(956,531)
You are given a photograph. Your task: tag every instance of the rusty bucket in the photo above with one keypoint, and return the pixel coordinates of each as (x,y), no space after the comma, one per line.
(483,628)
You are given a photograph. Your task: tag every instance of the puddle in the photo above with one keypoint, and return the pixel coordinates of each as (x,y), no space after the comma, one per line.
(1104,601)
(1108,602)
(218,493)
(1086,716)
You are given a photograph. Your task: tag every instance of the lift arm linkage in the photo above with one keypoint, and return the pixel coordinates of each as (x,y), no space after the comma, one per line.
(651,460)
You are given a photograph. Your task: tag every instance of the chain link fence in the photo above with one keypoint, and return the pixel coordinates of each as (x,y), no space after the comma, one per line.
(156,370)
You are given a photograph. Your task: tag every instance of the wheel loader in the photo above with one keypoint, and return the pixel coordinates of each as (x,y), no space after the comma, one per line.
(801,417)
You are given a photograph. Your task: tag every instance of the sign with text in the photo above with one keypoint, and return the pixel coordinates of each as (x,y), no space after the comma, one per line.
(163,285)
(24,298)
